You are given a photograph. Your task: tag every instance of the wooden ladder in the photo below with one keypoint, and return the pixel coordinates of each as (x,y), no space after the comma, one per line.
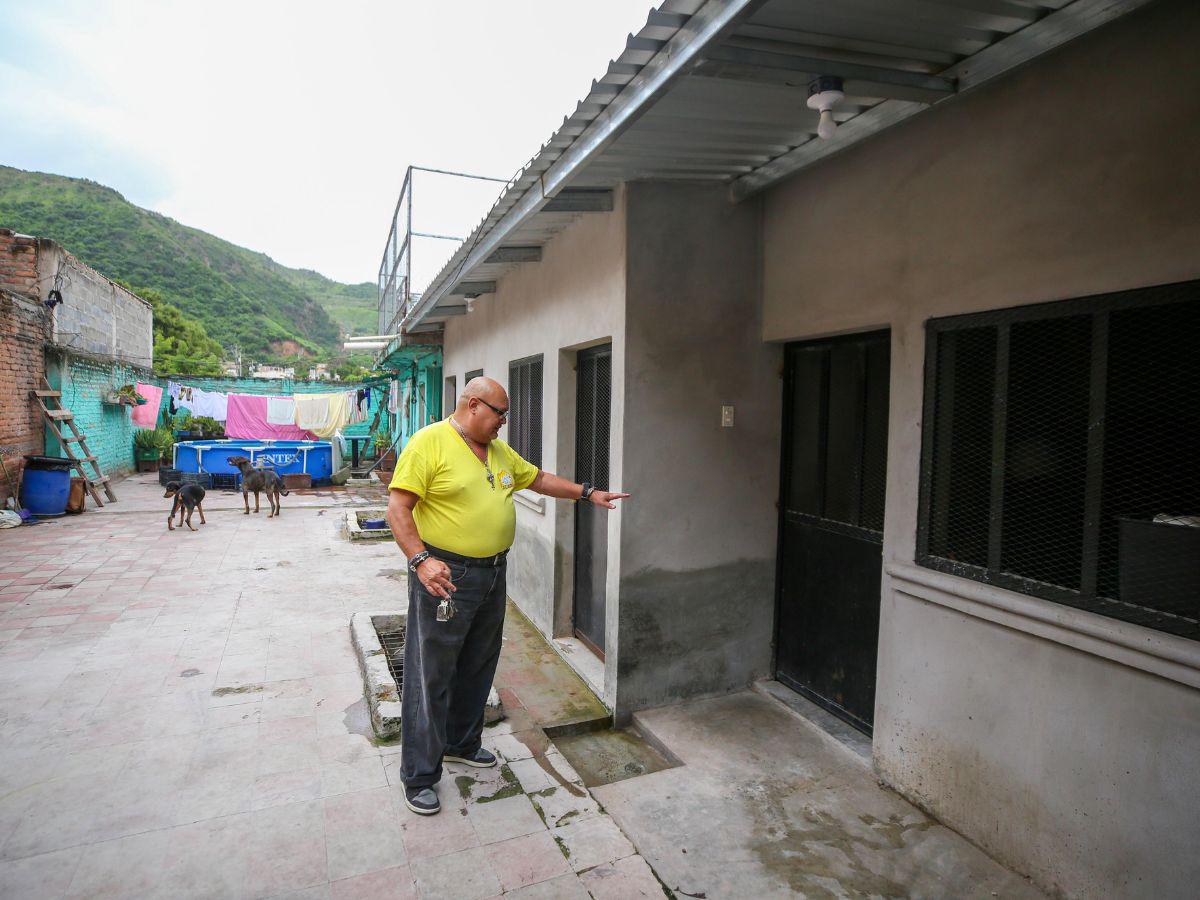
(55,416)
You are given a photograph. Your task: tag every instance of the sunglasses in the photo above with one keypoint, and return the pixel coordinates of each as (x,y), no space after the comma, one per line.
(502,413)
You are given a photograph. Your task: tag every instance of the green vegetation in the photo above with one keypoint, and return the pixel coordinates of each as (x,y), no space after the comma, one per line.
(239,297)
(181,344)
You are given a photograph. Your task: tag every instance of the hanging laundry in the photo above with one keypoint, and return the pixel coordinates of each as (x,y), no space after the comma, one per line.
(247,418)
(322,414)
(146,415)
(209,403)
(358,413)
(281,410)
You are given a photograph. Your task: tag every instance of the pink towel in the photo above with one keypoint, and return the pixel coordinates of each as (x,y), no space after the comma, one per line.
(247,418)
(146,415)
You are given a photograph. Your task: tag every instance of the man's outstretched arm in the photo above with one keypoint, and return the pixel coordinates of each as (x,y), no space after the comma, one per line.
(552,486)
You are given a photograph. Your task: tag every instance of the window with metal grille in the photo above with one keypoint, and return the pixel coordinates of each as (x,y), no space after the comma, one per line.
(525,412)
(1061,453)
(450,396)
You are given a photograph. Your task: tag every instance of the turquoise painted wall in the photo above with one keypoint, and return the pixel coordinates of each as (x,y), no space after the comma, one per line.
(107,428)
(409,419)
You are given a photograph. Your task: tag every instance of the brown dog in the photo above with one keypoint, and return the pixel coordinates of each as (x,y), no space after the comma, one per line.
(187,496)
(257,480)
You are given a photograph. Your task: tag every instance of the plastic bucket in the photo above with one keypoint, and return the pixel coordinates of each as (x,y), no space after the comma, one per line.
(46,485)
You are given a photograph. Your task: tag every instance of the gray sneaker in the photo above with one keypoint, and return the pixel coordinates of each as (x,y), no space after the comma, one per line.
(423,801)
(480,759)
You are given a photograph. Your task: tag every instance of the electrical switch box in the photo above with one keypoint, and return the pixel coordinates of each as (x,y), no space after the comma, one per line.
(726,416)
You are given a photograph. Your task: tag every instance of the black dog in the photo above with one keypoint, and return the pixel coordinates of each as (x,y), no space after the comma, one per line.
(265,480)
(187,496)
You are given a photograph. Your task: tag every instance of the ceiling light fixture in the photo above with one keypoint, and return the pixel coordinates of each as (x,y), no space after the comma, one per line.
(824,94)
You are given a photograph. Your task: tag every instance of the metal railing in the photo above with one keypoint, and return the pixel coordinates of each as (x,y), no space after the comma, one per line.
(397,298)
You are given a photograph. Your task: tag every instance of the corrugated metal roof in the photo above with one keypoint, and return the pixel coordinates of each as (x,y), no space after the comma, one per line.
(717,91)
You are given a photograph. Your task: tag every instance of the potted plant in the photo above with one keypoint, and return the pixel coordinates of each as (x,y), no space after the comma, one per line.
(165,442)
(147,450)
(385,455)
(125,395)
(209,427)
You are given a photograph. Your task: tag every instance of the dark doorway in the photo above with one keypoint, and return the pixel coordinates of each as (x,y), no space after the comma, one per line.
(831,521)
(593,413)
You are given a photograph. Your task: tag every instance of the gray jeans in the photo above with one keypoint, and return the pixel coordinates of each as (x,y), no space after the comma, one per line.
(448,670)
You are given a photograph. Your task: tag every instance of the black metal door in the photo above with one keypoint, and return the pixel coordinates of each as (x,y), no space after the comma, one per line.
(831,522)
(593,413)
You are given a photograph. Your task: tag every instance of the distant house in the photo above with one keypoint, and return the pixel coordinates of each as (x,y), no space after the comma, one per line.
(320,372)
(898,406)
(273,372)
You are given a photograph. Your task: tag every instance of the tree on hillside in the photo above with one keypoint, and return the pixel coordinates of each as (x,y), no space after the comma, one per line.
(181,345)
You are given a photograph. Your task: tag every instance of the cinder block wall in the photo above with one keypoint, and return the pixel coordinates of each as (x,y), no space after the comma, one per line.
(96,316)
(22,364)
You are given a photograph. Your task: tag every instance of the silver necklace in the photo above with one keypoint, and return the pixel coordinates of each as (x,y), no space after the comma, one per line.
(486,468)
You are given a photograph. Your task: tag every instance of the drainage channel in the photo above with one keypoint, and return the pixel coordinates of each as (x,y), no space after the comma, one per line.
(391,638)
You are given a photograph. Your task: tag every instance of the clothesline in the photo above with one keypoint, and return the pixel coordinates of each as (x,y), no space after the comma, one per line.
(298,416)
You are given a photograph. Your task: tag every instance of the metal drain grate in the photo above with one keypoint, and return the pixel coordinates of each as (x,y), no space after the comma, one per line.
(393,648)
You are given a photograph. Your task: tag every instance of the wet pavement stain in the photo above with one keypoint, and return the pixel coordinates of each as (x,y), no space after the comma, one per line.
(809,848)
(611,755)
(240,689)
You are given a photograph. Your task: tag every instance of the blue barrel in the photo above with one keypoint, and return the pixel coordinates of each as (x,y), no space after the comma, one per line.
(46,485)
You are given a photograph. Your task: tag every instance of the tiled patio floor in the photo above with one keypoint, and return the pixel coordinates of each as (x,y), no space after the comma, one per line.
(180,716)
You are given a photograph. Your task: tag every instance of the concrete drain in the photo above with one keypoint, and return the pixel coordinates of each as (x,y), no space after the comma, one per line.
(392,641)
(378,640)
(368,524)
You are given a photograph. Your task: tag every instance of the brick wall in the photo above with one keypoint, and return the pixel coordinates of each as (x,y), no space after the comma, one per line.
(18,262)
(22,363)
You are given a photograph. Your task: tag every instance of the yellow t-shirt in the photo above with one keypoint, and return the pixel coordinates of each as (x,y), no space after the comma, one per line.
(459,511)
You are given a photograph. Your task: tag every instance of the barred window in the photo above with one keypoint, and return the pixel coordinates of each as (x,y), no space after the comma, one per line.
(1061,453)
(449,396)
(525,414)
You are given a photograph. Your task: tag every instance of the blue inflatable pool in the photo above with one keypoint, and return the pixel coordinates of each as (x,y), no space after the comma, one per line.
(285,457)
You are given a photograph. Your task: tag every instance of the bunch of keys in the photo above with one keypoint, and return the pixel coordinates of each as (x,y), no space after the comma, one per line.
(445,610)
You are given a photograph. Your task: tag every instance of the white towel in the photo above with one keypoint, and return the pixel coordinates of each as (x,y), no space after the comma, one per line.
(281,410)
(213,404)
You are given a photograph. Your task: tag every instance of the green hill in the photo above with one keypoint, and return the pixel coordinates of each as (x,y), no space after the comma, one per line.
(241,297)
(355,307)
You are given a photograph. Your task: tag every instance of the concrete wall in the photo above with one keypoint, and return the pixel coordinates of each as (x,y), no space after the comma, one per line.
(698,538)
(97,316)
(573,298)
(1066,744)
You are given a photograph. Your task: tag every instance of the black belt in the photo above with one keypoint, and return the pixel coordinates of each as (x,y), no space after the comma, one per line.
(487,562)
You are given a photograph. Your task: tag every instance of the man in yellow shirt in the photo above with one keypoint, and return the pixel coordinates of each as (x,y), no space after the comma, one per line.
(452,514)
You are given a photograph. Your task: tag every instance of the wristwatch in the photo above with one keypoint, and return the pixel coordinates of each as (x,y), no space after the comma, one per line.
(587,491)
(417,559)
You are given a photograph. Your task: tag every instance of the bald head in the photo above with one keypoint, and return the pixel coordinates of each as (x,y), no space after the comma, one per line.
(476,409)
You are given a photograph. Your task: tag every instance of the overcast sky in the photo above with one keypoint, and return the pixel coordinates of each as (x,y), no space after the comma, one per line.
(286,126)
